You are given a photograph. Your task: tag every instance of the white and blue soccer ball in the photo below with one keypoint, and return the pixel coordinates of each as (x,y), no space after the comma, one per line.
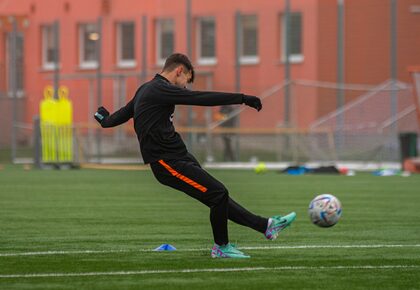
(325,210)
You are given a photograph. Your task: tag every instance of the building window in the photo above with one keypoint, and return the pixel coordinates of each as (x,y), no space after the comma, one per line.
(19,71)
(165,39)
(249,35)
(88,35)
(126,44)
(295,45)
(206,41)
(48,49)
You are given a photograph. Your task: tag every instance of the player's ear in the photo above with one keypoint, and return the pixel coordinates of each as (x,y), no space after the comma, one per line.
(179,70)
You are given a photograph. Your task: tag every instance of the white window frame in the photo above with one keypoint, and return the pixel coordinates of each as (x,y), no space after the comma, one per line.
(415,9)
(248,59)
(46,65)
(84,64)
(125,63)
(200,59)
(161,61)
(293,58)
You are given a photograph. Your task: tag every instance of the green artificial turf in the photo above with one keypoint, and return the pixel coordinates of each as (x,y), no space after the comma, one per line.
(96,229)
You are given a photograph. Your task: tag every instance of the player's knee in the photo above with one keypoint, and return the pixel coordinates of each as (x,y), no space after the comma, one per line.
(221,194)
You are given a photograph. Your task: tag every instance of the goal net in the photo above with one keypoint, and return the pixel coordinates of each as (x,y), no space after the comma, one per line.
(364,128)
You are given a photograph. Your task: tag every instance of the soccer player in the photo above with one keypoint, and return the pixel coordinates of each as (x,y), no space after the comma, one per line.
(152,109)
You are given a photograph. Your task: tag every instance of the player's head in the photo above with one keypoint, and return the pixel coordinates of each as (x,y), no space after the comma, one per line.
(181,68)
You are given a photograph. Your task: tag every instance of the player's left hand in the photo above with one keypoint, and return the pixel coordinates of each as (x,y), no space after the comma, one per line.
(101,114)
(252,101)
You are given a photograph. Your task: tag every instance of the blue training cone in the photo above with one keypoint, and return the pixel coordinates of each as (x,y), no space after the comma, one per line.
(165,247)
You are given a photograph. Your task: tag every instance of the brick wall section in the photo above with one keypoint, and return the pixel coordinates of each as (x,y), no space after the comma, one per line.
(367,43)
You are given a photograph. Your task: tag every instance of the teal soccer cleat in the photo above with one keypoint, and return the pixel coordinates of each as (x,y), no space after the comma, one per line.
(278,223)
(227,251)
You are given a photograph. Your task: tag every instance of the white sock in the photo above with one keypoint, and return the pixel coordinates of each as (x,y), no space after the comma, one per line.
(270,220)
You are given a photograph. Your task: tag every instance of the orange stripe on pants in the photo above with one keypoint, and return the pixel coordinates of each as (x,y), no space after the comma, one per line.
(182,177)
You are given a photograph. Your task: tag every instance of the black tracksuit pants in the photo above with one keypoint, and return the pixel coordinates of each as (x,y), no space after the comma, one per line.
(187,175)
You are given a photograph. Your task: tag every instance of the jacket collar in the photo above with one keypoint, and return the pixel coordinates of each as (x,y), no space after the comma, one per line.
(159,76)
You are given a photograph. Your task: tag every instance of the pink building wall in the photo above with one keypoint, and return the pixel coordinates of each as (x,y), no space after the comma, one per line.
(366,48)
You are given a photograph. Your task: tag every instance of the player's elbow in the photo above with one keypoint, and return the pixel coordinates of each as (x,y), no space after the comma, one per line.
(105,124)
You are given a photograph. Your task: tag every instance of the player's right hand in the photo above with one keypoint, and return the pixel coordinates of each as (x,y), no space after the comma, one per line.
(101,114)
(252,101)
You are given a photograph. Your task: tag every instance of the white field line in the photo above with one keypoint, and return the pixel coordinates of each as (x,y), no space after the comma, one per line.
(181,271)
(78,252)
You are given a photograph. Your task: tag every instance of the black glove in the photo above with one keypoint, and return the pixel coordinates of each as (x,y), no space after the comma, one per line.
(252,101)
(101,114)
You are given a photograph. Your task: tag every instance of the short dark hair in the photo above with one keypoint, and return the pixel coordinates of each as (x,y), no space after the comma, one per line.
(176,59)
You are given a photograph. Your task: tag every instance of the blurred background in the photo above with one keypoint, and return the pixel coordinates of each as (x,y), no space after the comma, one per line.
(337,77)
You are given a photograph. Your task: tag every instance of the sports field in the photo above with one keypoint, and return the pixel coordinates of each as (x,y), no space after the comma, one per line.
(96,229)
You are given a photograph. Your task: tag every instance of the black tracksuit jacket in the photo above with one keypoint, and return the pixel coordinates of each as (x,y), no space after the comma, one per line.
(152,109)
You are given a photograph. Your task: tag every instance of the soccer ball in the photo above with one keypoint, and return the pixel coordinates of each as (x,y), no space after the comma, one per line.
(325,210)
